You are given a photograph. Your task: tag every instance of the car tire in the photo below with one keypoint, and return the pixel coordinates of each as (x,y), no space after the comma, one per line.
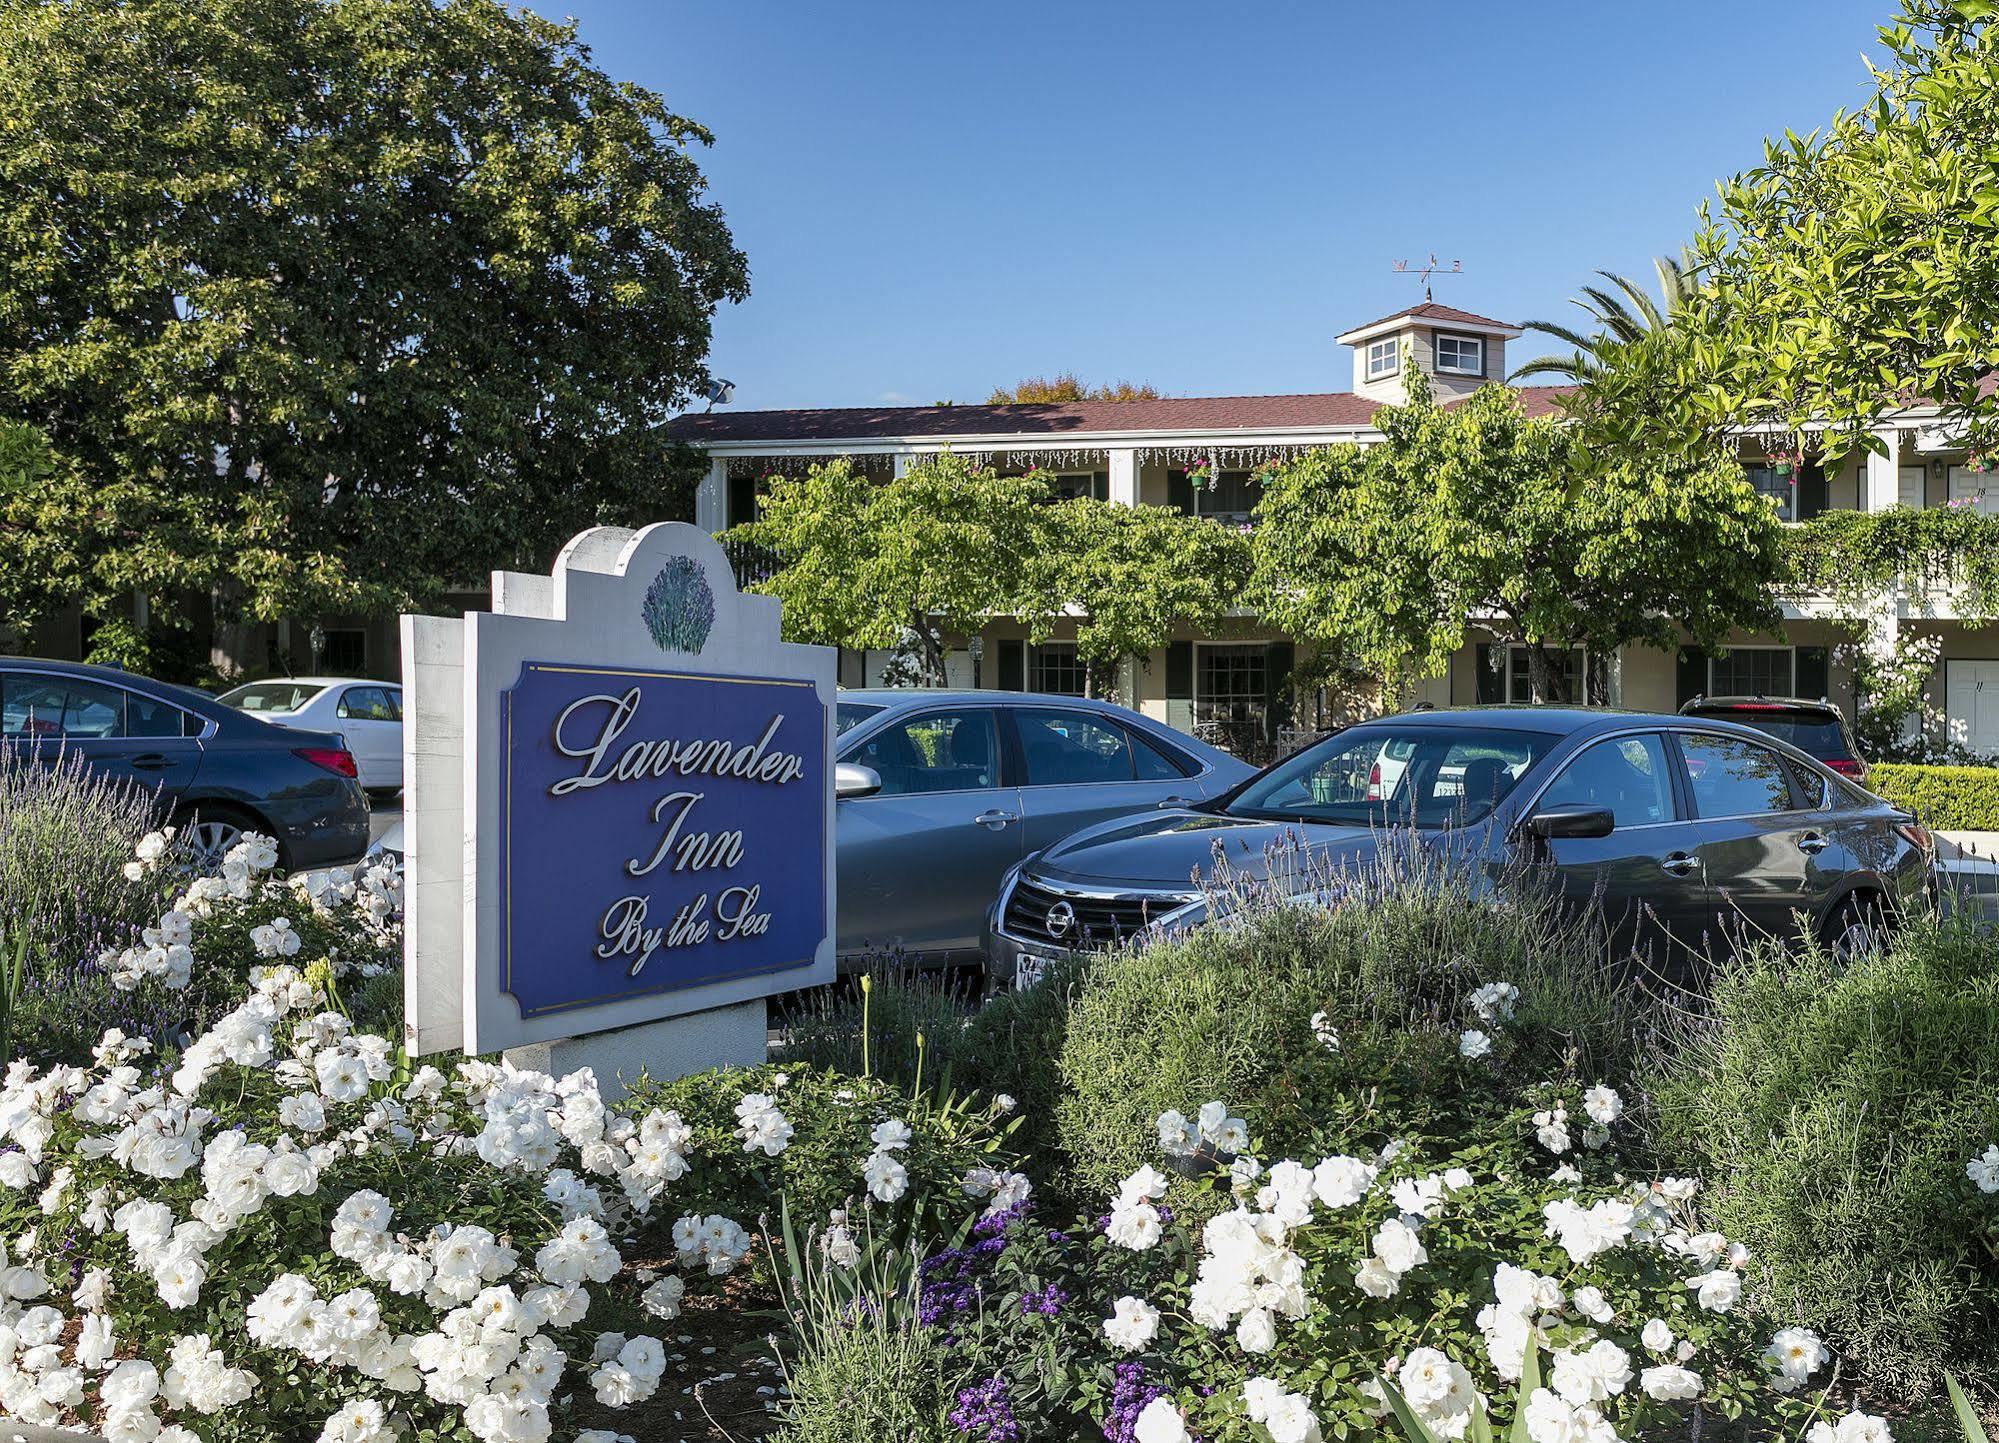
(1857,928)
(209,829)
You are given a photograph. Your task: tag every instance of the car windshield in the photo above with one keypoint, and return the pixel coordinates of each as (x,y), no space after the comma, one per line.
(850,714)
(271,696)
(1385,774)
(1813,733)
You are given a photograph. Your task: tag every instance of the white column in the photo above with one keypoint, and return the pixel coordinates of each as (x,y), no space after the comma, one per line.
(711,497)
(901,459)
(1881,480)
(1124,476)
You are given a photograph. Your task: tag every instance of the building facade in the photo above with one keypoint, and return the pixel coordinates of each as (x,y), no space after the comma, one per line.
(1233,683)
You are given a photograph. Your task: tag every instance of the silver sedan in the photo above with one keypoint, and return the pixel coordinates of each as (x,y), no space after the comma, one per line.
(941,792)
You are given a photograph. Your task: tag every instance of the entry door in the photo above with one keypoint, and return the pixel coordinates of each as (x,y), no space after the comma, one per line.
(921,860)
(1971,700)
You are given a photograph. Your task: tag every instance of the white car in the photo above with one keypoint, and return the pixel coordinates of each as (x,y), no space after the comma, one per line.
(367,714)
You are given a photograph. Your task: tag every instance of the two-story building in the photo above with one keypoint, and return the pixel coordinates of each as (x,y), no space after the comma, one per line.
(1234,680)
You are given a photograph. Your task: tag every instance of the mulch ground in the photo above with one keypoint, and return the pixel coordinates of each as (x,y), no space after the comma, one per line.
(722,1383)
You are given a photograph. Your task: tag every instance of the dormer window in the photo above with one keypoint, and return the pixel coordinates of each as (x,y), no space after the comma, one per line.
(1460,355)
(1384,357)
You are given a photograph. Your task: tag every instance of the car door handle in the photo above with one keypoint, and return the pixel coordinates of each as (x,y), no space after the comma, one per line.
(1176,802)
(995,818)
(1679,863)
(1811,843)
(151,762)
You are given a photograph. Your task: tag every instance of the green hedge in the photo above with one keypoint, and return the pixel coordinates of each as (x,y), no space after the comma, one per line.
(1951,799)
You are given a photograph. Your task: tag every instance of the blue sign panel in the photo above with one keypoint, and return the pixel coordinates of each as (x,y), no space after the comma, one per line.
(658,830)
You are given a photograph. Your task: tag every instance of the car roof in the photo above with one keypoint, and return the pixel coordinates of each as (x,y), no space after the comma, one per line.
(317,681)
(1520,717)
(183,696)
(927,695)
(1799,703)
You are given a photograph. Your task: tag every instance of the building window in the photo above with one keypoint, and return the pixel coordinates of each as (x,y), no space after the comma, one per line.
(1231,684)
(1054,668)
(1384,357)
(1520,677)
(1782,490)
(345,652)
(1070,485)
(1461,355)
(1229,497)
(1754,671)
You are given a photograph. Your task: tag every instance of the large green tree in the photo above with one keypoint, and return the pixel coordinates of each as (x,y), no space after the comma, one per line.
(325,304)
(1136,575)
(1472,519)
(868,563)
(1856,268)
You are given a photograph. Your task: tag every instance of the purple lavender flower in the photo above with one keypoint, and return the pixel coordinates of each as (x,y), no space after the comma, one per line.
(1047,1302)
(1130,1392)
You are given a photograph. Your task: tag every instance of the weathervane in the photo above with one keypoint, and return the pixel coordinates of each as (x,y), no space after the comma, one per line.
(1428,269)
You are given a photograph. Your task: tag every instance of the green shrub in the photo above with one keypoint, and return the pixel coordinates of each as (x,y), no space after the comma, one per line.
(1226,1011)
(1834,1113)
(1950,799)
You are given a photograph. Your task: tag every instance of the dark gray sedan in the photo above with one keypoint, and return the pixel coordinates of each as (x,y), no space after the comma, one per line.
(215,772)
(941,792)
(1688,833)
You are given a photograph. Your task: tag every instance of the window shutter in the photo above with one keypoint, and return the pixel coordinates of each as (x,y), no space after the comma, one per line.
(1180,496)
(1180,685)
(1278,660)
(1488,681)
(1012,664)
(1811,490)
(1813,672)
(1690,674)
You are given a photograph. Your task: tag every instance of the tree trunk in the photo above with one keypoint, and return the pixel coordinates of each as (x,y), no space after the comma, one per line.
(1546,684)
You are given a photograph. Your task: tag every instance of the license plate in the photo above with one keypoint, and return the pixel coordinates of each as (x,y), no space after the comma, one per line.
(1029,970)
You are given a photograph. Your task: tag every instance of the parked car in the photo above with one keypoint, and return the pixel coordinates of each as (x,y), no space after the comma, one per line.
(1815,727)
(216,771)
(367,714)
(941,792)
(1684,832)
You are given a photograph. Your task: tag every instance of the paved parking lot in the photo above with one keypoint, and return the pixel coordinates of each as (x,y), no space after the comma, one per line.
(382,816)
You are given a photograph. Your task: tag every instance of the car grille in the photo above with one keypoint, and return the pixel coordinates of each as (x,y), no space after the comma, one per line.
(1099,921)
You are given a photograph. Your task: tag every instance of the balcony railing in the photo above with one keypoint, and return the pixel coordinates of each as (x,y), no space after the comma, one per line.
(751,563)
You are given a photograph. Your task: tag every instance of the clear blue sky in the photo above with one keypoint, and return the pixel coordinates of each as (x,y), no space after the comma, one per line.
(936,198)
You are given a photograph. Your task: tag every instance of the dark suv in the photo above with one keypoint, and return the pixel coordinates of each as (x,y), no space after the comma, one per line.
(1817,728)
(216,772)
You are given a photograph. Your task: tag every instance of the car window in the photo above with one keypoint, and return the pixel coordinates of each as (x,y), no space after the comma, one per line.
(271,696)
(849,714)
(60,706)
(1063,748)
(1627,776)
(1152,764)
(365,703)
(1735,778)
(1816,733)
(395,696)
(1812,788)
(1384,773)
(147,716)
(934,751)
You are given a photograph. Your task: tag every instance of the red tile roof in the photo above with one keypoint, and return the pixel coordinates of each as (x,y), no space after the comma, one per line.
(1179,413)
(1431,311)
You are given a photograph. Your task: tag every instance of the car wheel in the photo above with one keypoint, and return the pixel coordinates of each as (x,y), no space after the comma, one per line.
(1858,929)
(208,832)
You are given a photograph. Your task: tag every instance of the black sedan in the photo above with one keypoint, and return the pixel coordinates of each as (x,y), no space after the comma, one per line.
(216,772)
(1688,833)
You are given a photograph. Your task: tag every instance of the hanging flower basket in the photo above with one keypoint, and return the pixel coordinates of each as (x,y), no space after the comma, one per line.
(1787,464)
(1979,462)
(1201,473)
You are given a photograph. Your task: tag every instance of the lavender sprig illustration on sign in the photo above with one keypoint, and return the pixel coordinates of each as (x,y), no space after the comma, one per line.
(679,608)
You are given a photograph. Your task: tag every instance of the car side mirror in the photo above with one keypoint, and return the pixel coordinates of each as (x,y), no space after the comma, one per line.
(1571,819)
(851,779)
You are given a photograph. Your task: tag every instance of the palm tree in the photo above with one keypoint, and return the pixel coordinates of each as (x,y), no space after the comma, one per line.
(1623,315)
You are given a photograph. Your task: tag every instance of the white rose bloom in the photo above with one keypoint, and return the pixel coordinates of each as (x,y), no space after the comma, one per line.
(1983,1170)
(890,1135)
(1795,1354)
(1474,1044)
(1340,1182)
(1717,1291)
(1670,1383)
(1592,1304)
(1177,1136)
(1603,1105)
(1257,1331)
(1132,1324)
(887,1179)
(1657,1336)
(1160,1422)
(1376,1279)
(1133,1225)
(1398,1247)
